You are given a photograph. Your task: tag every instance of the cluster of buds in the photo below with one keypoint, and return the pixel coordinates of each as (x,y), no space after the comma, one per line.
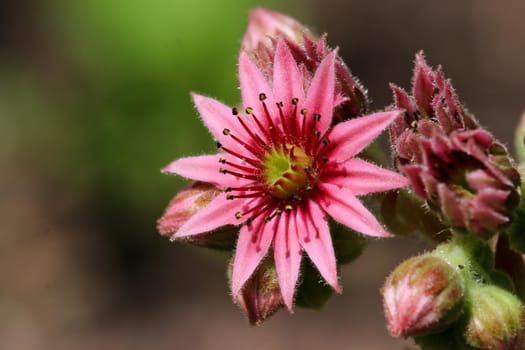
(308,50)
(449,292)
(451,162)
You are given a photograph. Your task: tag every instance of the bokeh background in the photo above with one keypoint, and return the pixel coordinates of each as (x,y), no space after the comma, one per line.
(94,100)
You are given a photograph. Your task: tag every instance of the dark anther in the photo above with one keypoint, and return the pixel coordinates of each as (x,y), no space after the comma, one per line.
(317,133)
(248,221)
(304,111)
(238,215)
(295,100)
(249,110)
(228,189)
(218,144)
(230,197)
(262,97)
(288,208)
(324,159)
(226,131)
(235,111)
(317,116)
(222,160)
(223,171)
(280,104)
(326,141)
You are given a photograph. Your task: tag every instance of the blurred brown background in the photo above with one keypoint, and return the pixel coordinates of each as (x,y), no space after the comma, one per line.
(94,100)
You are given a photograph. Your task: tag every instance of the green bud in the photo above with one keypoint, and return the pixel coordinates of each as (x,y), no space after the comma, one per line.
(496,319)
(348,244)
(312,292)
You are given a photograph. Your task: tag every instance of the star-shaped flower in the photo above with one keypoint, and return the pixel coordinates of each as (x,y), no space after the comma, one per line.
(283,168)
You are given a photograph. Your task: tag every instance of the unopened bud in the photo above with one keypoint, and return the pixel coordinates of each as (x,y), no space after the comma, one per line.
(348,244)
(422,295)
(261,296)
(187,203)
(265,24)
(265,27)
(496,319)
(459,168)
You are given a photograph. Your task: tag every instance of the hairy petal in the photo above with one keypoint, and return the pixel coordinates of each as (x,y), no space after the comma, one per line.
(345,208)
(252,246)
(204,168)
(316,240)
(217,117)
(287,254)
(287,79)
(253,83)
(219,212)
(361,177)
(353,136)
(320,96)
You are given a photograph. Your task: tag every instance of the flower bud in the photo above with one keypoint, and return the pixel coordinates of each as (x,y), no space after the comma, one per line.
(404,214)
(261,296)
(348,244)
(265,27)
(496,319)
(450,161)
(186,204)
(422,295)
(313,292)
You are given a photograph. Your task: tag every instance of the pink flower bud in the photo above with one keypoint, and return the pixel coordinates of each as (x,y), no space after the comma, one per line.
(261,296)
(421,296)
(496,319)
(265,27)
(450,161)
(184,206)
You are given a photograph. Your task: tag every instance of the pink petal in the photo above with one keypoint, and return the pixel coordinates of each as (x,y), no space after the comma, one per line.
(219,212)
(320,96)
(287,79)
(316,240)
(345,208)
(204,168)
(287,255)
(253,83)
(353,136)
(217,117)
(252,246)
(361,177)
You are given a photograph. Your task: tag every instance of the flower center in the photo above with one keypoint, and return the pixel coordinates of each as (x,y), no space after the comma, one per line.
(285,170)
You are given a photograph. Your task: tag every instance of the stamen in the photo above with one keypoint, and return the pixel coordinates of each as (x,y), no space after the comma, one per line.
(241,175)
(271,125)
(235,111)
(283,122)
(261,127)
(250,161)
(247,146)
(240,167)
(254,136)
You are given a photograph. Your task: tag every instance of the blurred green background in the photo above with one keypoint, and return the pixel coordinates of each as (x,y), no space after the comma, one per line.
(94,100)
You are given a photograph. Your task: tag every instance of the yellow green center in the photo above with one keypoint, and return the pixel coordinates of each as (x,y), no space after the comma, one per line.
(285,171)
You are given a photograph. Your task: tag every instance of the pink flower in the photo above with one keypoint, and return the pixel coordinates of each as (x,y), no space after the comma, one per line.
(282,169)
